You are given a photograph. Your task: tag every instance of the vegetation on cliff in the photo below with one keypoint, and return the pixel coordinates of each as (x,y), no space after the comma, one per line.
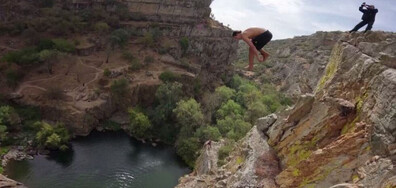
(228,113)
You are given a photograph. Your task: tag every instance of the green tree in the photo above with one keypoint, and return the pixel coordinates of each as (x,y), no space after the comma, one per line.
(169,76)
(63,45)
(230,108)
(52,137)
(167,95)
(233,128)
(188,149)
(147,40)
(5,112)
(184,44)
(189,115)
(256,110)
(205,133)
(225,93)
(119,88)
(101,28)
(49,57)
(13,76)
(140,124)
(118,38)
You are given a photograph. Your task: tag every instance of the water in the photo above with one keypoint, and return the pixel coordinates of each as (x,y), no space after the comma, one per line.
(102,160)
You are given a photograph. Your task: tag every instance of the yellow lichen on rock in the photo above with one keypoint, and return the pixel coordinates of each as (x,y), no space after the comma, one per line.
(335,60)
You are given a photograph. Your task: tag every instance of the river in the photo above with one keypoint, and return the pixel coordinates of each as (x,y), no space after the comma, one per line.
(99,160)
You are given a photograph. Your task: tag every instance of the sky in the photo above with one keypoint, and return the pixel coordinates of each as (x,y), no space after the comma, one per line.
(289,18)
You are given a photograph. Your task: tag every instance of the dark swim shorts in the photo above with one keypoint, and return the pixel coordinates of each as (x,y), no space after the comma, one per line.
(261,40)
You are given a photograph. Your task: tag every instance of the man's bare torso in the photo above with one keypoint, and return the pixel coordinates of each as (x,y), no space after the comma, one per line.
(253,32)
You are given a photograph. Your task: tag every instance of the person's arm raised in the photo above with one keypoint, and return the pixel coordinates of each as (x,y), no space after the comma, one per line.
(361,8)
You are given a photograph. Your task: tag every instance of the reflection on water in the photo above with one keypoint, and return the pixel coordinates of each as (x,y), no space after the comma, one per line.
(102,160)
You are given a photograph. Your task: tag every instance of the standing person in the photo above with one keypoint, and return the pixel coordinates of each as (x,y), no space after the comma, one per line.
(256,38)
(368,17)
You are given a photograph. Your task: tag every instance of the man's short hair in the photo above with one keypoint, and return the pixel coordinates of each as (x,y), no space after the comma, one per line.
(235,33)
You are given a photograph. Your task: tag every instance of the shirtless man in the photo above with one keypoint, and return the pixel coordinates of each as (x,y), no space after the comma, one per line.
(256,38)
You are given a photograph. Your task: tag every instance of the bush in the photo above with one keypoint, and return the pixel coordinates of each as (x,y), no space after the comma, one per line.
(184,43)
(135,65)
(205,133)
(225,93)
(148,59)
(119,88)
(169,76)
(231,109)
(188,114)
(224,152)
(128,56)
(188,149)
(233,128)
(167,95)
(147,40)
(5,121)
(45,44)
(13,77)
(111,125)
(64,45)
(256,110)
(52,137)
(140,124)
(101,27)
(106,72)
(26,56)
(119,38)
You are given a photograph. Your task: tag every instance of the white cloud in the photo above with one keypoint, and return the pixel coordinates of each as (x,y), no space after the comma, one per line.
(284,6)
(288,18)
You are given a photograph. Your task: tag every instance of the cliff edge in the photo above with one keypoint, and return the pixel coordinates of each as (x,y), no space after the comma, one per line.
(343,135)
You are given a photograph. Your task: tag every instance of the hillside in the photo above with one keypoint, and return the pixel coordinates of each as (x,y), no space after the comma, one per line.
(343,133)
(295,65)
(73,85)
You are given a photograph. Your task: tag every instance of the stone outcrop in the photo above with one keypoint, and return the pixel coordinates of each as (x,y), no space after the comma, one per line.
(296,64)
(344,134)
(251,164)
(9,183)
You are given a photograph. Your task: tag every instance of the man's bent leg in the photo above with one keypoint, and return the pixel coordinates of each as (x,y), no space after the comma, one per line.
(264,54)
(358,26)
(369,26)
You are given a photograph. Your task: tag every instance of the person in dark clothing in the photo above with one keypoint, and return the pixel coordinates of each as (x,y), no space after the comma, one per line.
(368,17)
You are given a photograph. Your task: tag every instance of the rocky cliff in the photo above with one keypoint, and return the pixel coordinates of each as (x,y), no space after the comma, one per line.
(86,98)
(296,64)
(343,135)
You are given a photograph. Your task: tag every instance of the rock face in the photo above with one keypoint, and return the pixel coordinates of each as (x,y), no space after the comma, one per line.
(209,40)
(296,64)
(251,164)
(344,134)
(9,183)
(87,101)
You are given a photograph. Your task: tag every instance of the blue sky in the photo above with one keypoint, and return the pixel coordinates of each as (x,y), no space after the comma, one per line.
(288,18)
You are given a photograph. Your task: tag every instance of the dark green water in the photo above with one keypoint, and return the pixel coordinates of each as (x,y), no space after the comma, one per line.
(102,160)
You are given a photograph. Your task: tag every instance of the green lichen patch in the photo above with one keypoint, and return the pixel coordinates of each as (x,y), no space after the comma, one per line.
(335,60)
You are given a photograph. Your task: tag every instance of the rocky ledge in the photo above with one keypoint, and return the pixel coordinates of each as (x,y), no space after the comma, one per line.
(343,135)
